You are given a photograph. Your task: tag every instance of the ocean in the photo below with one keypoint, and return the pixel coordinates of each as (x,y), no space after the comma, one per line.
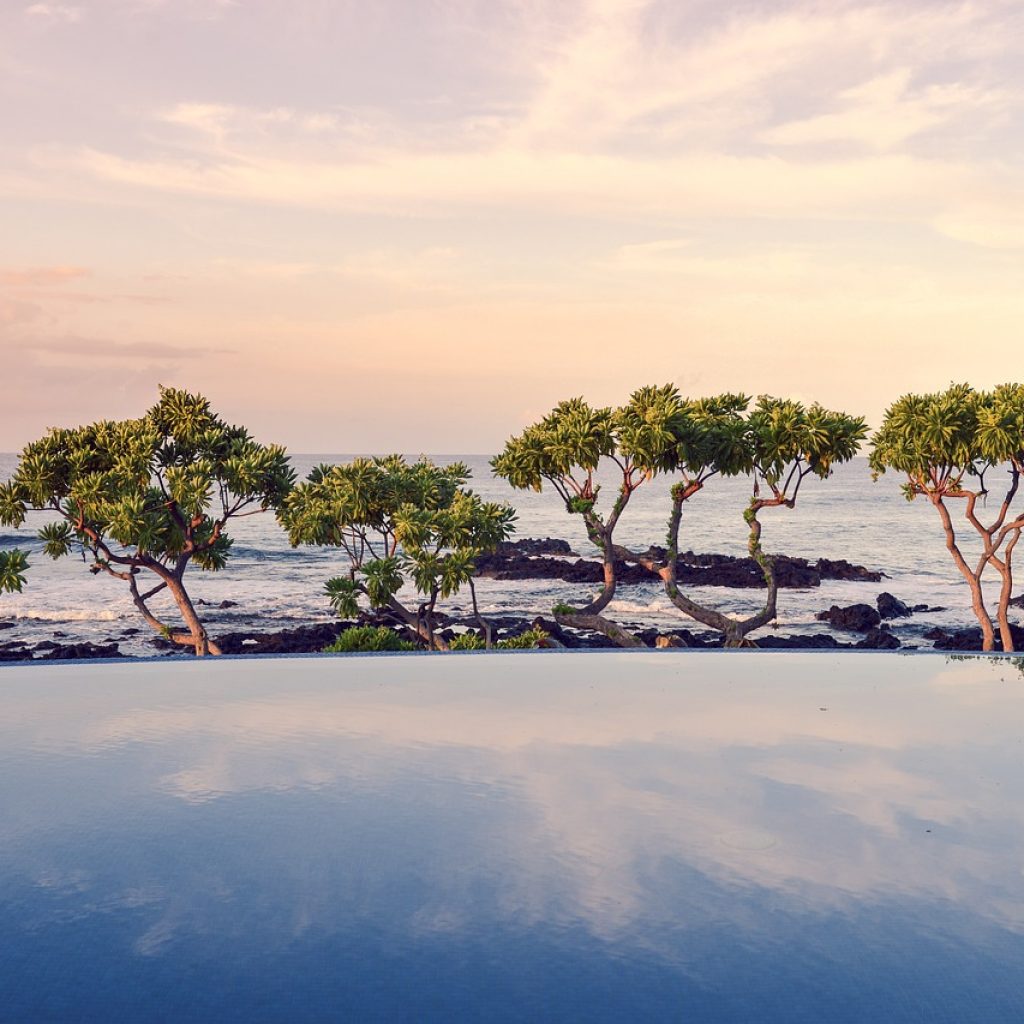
(275,586)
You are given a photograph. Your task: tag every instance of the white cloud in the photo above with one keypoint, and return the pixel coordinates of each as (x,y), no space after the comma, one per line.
(883,113)
(54,13)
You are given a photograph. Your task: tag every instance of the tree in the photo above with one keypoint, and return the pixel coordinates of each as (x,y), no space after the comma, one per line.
(947,444)
(566,449)
(396,521)
(148,497)
(777,444)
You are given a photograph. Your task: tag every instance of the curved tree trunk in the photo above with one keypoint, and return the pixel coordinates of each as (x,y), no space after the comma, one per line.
(598,623)
(1005,592)
(734,631)
(603,599)
(485,625)
(973,579)
(196,637)
(600,535)
(419,624)
(202,642)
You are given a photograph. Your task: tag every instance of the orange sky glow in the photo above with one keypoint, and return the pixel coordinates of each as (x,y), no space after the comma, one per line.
(418,224)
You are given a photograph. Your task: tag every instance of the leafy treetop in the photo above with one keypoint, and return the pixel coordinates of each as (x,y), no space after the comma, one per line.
(153,493)
(940,438)
(394,519)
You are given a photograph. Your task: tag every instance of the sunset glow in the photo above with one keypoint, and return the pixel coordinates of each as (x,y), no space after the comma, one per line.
(417,224)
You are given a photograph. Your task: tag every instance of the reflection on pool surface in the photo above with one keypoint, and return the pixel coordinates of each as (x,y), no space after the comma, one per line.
(556,837)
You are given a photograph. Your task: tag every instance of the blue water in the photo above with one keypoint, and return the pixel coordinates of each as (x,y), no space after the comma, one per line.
(543,837)
(274,585)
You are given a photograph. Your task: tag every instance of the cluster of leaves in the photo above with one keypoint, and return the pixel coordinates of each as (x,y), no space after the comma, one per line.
(940,438)
(13,565)
(526,640)
(395,521)
(368,638)
(787,438)
(160,487)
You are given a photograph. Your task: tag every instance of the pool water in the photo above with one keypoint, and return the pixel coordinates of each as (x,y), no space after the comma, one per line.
(546,836)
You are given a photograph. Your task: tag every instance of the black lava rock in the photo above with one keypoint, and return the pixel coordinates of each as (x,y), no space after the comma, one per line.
(77,652)
(859,618)
(879,640)
(817,641)
(890,607)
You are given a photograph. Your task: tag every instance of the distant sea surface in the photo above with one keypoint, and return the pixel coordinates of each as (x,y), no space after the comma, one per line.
(276,586)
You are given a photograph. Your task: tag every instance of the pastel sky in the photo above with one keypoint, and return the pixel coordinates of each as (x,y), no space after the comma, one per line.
(417,224)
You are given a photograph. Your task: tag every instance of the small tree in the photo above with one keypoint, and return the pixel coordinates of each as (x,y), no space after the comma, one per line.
(657,431)
(566,449)
(395,521)
(947,444)
(148,496)
(779,443)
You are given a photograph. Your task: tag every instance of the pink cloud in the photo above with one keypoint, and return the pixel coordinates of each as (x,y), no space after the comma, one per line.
(35,277)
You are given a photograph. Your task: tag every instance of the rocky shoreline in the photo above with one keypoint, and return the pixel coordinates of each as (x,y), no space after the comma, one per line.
(853,627)
(551,559)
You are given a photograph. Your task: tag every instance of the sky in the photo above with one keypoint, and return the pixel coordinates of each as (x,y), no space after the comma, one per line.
(416,225)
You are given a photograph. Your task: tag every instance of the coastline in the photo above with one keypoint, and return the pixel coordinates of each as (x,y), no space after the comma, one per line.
(889,625)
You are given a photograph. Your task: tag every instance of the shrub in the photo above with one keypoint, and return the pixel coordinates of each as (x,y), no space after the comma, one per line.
(472,642)
(368,638)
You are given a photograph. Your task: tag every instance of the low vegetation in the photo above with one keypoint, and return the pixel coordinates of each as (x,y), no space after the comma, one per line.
(526,640)
(365,639)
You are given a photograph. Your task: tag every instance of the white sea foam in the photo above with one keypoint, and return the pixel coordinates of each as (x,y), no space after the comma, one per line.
(66,614)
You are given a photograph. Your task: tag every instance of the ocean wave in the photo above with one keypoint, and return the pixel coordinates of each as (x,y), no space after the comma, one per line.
(638,608)
(67,614)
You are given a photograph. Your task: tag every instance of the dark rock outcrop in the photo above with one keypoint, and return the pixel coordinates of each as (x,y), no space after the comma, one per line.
(709,570)
(858,618)
(814,642)
(969,639)
(840,569)
(879,639)
(302,640)
(15,651)
(534,546)
(890,607)
(76,652)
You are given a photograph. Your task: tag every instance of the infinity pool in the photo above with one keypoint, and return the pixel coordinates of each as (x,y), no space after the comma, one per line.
(525,837)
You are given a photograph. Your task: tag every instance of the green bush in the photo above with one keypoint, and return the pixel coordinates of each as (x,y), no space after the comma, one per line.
(531,638)
(368,638)
(467,642)
(472,642)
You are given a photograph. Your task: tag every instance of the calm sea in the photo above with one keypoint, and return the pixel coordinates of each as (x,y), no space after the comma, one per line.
(848,516)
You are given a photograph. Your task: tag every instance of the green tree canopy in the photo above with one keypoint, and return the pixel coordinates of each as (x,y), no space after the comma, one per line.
(946,444)
(149,495)
(396,521)
(777,443)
